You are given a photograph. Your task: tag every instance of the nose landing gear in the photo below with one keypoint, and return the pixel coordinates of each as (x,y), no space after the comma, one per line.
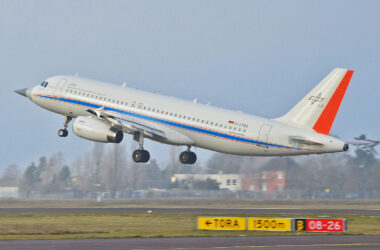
(63,132)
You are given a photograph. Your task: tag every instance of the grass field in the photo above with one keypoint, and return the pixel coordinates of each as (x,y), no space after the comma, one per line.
(38,225)
(112,225)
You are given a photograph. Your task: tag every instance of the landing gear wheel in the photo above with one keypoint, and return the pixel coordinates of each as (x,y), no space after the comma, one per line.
(146,156)
(193,158)
(187,157)
(184,157)
(140,156)
(62,133)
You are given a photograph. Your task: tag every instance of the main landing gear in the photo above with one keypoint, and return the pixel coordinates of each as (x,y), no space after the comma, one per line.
(187,157)
(140,155)
(63,132)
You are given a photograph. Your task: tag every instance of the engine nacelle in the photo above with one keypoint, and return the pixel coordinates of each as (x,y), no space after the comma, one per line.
(91,128)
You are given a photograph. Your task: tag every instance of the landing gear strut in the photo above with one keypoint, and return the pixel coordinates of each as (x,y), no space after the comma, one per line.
(140,155)
(63,132)
(187,157)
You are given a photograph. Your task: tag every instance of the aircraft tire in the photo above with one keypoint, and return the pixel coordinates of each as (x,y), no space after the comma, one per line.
(193,158)
(63,132)
(146,156)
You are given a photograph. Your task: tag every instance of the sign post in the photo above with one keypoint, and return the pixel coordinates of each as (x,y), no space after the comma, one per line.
(222,223)
(320,225)
(270,224)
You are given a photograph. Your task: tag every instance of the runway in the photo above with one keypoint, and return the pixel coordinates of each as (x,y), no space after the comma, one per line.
(267,242)
(193,210)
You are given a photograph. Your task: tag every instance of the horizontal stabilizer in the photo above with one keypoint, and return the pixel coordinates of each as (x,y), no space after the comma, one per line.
(305,141)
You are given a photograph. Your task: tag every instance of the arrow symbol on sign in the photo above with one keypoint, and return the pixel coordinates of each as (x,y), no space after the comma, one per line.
(208,223)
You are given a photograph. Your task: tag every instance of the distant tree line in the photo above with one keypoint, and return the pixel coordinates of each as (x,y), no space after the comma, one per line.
(108,169)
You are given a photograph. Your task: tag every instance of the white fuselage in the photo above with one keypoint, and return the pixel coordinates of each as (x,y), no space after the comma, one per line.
(200,125)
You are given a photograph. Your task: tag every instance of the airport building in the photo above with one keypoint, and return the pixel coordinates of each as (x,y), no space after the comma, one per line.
(9,193)
(266,182)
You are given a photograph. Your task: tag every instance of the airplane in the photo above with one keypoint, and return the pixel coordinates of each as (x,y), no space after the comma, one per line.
(103,112)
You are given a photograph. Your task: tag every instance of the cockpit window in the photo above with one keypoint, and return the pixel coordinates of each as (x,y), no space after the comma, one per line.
(44,84)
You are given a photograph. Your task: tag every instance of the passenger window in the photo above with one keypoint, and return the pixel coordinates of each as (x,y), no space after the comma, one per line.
(166,113)
(211,123)
(171,114)
(175,115)
(121,103)
(198,120)
(202,121)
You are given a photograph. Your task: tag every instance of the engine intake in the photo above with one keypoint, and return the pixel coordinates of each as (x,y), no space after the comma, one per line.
(91,128)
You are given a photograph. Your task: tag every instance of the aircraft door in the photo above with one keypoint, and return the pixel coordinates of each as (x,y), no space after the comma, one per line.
(263,135)
(65,108)
(60,86)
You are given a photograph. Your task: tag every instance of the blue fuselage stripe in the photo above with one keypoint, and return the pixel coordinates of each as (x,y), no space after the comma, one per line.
(170,123)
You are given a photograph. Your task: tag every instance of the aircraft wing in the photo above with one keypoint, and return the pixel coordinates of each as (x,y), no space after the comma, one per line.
(132,125)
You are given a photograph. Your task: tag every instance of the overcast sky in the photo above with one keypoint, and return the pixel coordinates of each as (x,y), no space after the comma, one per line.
(260,57)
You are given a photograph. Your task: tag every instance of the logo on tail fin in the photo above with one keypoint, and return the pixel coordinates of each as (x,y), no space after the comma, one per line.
(317,98)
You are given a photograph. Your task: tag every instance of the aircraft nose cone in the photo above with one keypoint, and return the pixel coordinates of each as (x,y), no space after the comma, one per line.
(24,92)
(21,92)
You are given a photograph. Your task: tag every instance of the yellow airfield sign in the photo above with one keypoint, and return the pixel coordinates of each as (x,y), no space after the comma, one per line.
(270,224)
(222,223)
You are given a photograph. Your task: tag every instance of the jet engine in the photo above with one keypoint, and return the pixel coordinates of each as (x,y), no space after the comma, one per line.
(91,128)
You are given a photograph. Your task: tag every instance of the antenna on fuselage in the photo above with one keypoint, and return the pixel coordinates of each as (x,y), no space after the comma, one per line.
(76,74)
(124,84)
(209,103)
(195,100)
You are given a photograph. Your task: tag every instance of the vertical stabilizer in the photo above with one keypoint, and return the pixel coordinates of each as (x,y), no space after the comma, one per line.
(318,109)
